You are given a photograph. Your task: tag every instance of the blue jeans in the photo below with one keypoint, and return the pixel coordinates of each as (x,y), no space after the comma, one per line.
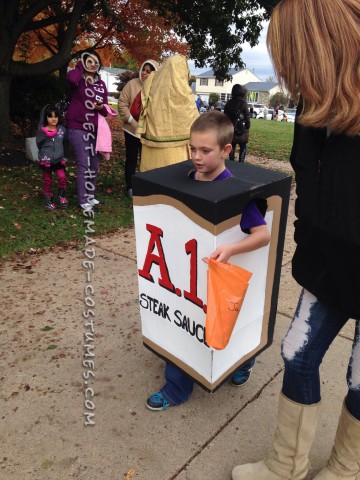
(179,386)
(312,330)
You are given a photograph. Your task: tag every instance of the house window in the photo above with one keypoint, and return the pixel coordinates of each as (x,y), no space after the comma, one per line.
(204,81)
(219,83)
(253,96)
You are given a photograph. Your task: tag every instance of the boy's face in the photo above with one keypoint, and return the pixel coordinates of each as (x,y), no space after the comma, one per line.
(207,156)
(52,119)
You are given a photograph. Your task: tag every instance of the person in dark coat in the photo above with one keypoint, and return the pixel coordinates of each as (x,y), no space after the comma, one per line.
(234,105)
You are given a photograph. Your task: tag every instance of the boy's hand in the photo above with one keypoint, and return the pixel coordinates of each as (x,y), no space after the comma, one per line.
(221,254)
(260,237)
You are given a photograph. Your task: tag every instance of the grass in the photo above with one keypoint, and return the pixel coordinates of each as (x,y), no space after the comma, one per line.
(271,139)
(26,227)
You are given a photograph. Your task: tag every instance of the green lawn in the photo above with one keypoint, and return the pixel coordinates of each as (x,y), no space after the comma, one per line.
(270,139)
(25,226)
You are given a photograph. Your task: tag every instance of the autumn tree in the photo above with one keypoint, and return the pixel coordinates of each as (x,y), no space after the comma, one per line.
(18,18)
(129,29)
(278,98)
(40,37)
(214,31)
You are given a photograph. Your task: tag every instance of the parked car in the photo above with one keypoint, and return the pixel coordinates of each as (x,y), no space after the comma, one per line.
(257,108)
(290,114)
(269,114)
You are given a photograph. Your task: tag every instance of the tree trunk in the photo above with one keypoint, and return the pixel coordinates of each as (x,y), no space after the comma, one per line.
(63,73)
(5,135)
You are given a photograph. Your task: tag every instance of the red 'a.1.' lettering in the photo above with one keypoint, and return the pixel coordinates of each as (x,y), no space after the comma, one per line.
(159,259)
(191,248)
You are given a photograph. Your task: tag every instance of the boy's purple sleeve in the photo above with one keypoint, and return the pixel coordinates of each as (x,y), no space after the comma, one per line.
(251,217)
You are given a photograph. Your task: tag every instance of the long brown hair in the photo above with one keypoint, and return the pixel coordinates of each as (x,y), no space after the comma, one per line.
(314,45)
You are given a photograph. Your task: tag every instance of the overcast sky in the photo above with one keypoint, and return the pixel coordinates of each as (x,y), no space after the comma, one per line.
(256,59)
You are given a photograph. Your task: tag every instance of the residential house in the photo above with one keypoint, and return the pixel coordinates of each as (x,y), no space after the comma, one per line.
(110,77)
(206,83)
(260,92)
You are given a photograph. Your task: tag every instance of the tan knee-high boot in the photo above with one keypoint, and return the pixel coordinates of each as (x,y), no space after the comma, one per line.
(293,438)
(344,461)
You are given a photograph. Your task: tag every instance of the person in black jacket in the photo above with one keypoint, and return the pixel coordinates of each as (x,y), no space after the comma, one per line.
(237,104)
(324,69)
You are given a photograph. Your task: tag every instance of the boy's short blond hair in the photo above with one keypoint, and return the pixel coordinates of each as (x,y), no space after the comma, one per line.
(217,121)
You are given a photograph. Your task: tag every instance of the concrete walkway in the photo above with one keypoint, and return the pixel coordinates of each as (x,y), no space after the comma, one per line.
(43,347)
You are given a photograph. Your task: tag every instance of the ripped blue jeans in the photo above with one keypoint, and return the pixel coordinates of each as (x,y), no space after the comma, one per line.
(313,329)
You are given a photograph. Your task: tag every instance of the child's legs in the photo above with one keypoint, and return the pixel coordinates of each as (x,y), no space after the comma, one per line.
(94,166)
(353,376)
(87,163)
(311,332)
(47,176)
(178,386)
(61,178)
(242,152)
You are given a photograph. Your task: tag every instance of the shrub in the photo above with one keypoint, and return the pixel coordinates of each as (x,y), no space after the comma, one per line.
(28,98)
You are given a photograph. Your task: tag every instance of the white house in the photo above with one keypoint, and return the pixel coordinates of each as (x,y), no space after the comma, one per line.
(110,77)
(206,83)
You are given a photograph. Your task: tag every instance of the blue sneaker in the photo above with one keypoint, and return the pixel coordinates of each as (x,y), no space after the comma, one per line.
(157,401)
(240,377)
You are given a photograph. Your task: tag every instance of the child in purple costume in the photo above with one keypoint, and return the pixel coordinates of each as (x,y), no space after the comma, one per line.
(210,144)
(88,95)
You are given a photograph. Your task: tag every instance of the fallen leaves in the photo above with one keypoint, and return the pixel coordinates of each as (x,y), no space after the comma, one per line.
(47,464)
(130,474)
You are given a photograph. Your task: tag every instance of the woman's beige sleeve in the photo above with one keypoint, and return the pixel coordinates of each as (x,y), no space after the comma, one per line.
(124,103)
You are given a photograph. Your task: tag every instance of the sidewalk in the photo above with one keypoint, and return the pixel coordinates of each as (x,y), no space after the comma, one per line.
(42,339)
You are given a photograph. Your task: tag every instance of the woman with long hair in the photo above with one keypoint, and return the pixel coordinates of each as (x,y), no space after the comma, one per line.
(314,45)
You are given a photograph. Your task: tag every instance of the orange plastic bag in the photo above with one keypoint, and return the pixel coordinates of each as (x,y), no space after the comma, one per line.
(226,289)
